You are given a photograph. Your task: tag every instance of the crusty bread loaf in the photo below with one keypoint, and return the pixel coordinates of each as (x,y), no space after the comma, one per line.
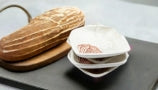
(42,33)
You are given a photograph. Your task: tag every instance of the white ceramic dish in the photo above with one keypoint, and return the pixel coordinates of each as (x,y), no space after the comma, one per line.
(109,62)
(98,74)
(106,39)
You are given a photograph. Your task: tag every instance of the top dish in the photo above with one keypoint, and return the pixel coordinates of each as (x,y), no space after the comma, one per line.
(97,41)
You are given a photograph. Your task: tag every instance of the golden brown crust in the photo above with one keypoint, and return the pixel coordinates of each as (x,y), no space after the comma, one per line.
(42,33)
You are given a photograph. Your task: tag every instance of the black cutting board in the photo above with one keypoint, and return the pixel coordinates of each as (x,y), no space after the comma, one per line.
(139,73)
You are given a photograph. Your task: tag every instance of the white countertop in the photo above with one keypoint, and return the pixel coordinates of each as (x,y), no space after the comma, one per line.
(133,18)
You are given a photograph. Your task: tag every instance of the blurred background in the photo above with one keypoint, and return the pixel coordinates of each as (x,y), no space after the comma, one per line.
(133,18)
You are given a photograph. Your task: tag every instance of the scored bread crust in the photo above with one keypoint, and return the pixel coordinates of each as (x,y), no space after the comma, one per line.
(42,33)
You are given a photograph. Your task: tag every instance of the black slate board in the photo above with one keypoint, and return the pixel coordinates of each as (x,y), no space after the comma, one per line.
(139,73)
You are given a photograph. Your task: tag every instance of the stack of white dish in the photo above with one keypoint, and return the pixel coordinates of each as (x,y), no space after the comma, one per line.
(97,50)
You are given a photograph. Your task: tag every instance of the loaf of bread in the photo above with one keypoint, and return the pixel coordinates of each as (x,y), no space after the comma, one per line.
(42,33)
